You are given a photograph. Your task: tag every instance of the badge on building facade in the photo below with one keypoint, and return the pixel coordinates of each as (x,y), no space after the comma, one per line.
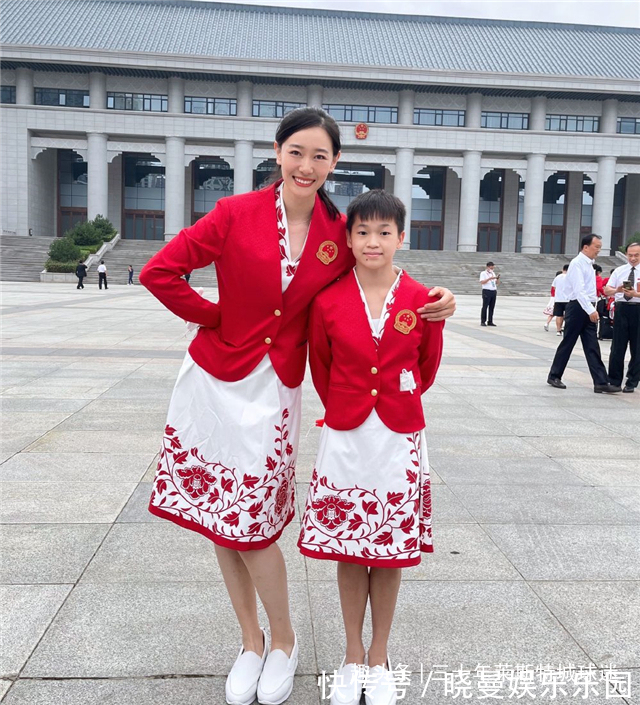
(362,130)
(327,252)
(405,321)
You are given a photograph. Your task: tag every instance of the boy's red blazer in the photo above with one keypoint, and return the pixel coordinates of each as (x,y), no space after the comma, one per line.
(253,316)
(353,376)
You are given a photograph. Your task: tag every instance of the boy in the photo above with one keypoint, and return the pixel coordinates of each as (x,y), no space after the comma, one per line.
(369,503)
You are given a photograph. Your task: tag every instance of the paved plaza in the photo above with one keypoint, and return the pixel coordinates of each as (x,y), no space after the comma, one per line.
(536,495)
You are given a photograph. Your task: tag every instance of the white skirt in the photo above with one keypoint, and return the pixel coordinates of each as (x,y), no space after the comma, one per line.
(227,464)
(369,501)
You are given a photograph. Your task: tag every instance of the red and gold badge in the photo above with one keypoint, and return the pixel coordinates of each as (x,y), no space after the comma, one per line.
(327,252)
(362,130)
(406,321)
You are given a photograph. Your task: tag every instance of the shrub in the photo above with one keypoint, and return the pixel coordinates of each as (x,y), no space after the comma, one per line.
(104,227)
(61,267)
(85,234)
(64,249)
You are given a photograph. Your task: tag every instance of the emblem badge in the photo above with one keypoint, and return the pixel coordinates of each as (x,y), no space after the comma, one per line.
(405,321)
(327,252)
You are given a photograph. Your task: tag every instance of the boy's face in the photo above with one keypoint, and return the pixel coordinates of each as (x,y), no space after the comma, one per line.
(374,242)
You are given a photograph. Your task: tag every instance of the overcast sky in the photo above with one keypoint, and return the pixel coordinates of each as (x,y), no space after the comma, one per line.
(623,13)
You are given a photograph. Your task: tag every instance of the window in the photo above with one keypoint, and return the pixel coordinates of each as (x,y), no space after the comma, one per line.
(572,123)
(505,121)
(363,113)
(273,108)
(62,96)
(210,106)
(446,118)
(8,94)
(137,101)
(629,126)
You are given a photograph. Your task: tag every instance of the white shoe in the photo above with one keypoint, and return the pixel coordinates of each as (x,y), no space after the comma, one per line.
(380,686)
(546,327)
(559,333)
(242,681)
(347,684)
(276,682)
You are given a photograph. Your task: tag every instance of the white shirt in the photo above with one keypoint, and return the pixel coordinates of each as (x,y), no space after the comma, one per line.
(621,274)
(560,285)
(102,268)
(581,282)
(489,285)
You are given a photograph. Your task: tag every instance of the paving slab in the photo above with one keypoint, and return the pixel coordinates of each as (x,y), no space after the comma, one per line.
(149,629)
(123,442)
(503,471)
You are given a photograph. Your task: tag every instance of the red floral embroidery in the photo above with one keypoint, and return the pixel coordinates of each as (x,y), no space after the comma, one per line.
(331,511)
(196,480)
(231,503)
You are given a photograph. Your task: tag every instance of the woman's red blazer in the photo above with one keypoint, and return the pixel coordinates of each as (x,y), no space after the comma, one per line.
(253,317)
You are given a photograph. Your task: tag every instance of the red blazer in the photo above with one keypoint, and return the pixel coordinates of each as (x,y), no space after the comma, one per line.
(253,316)
(353,376)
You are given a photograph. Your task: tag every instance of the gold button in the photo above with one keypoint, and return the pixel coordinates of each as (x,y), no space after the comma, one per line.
(277,312)
(267,341)
(374,370)
(374,392)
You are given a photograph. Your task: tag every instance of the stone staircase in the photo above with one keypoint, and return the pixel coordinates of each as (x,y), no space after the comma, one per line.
(22,258)
(522,275)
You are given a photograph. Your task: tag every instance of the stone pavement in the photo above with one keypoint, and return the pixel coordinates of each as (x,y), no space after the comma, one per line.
(536,517)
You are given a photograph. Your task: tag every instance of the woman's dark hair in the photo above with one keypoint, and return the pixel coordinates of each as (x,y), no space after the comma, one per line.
(304,119)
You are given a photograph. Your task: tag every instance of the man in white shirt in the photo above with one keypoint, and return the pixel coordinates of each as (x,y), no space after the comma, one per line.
(102,275)
(624,282)
(581,319)
(489,282)
(560,298)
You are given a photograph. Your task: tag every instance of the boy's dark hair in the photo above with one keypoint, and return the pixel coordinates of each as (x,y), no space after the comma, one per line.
(490,264)
(588,239)
(597,268)
(565,267)
(379,205)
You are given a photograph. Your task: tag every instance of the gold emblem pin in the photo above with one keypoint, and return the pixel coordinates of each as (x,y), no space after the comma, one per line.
(405,321)
(327,252)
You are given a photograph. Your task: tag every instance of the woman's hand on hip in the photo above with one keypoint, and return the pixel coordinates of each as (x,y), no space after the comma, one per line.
(441,309)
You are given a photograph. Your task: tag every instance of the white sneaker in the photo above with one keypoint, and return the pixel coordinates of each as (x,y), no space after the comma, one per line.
(546,327)
(276,682)
(380,686)
(347,684)
(559,333)
(242,681)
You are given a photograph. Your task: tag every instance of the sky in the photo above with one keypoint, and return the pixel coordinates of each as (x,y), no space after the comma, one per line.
(621,13)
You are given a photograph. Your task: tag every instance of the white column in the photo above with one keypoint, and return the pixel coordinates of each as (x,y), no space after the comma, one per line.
(176,94)
(403,186)
(315,95)
(97,175)
(603,201)
(244,96)
(474,110)
(24,86)
(533,193)
(609,119)
(243,170)
(406,103)
(97,90)
(538,117)
(173,187)
(469,202)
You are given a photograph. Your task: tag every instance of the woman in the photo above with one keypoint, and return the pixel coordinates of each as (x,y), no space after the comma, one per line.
(227,466)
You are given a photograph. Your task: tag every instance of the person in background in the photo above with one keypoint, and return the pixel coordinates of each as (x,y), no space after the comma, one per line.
(548,311)
(581,319)
(130,270)
(81,273)
(102,275)
(599,280)
(489,282)
(560,298)
(624,284)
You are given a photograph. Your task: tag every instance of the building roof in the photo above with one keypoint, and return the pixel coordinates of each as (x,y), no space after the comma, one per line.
(258,33)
